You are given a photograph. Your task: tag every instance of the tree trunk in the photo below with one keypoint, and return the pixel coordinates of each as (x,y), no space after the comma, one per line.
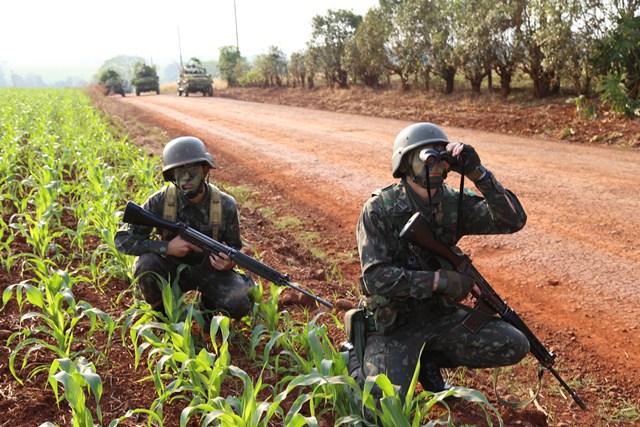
(341,79)
(449,78)
(404,83)
(505,84)
(506,76)
(476,83)
(543,84)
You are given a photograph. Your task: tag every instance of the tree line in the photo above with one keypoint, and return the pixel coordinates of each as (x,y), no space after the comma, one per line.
(591,47)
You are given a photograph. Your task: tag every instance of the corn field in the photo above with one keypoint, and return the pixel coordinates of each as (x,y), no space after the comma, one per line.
(65,180)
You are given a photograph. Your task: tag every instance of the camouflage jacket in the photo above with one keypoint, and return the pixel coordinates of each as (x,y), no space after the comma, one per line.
(390,269)
(137,239)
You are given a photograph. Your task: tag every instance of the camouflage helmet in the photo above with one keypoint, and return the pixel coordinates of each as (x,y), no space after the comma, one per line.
(411,137)
(183,151)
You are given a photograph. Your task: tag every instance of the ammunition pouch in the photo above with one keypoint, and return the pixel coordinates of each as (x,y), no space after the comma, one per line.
(386,319)
(358,324)
(384,314)
(389,315)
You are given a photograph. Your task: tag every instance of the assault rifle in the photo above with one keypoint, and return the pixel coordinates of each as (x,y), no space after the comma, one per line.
(488,302)
(134,214)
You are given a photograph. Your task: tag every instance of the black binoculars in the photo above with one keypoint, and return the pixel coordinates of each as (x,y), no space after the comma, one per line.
(430,157)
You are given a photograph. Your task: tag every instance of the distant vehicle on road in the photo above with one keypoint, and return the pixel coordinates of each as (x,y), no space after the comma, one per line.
(146,79)
(194,78)
(112,82)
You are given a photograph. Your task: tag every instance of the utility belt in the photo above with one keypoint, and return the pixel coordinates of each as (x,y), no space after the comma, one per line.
(389,315)
(379,315)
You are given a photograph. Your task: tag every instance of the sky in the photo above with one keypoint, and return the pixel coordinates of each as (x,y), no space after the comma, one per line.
(38,35)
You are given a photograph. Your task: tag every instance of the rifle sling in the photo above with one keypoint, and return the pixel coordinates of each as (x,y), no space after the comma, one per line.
(460,199)
(476,318)
(522,403)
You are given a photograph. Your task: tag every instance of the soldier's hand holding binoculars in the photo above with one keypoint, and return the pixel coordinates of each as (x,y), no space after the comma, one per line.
(464,159)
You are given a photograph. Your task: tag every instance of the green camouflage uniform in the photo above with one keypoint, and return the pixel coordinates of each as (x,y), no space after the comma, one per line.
(226,291)
(397,283)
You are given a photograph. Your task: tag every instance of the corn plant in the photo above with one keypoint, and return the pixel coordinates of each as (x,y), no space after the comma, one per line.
(198,374)
(179,369)
(55,322)
(273,320)
(7,257)
(154,419)
(74,377)
(39,236)
(392,409)
(245,410)
(138,318)
(316,383)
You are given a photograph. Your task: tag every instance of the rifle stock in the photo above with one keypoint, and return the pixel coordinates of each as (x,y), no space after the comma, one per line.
(418,231)
(135,214)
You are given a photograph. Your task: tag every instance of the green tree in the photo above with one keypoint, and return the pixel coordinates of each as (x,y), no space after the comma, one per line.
(273,67)
(473,31)
(232,65)
(297,69)
(545,33)
(330,36)
(618,58)
(365,54)
(588,26)
(561,42)
(443,42)
(406,43)
(619,53)
(506,52)
(311,62)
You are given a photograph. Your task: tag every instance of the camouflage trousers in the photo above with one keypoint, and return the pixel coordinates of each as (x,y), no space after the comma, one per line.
(224,291)
(447,344)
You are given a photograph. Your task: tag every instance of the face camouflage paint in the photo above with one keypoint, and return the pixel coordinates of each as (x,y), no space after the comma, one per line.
(189,179)
(419,170)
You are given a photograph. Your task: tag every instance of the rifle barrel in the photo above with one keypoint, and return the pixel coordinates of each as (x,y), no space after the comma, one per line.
(573,394)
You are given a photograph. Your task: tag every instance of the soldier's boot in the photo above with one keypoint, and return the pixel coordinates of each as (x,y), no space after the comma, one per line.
(431,378)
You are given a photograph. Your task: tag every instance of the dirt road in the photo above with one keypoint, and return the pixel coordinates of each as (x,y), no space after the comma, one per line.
(573,271)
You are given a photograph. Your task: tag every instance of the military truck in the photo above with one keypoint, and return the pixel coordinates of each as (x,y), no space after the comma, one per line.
(146,79)
(194,78)
(112,82)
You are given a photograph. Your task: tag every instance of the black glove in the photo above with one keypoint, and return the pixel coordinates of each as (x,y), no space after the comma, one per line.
(467,163)
(454,285)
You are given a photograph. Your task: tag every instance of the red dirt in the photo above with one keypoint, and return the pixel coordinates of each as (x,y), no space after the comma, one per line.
(571,273)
